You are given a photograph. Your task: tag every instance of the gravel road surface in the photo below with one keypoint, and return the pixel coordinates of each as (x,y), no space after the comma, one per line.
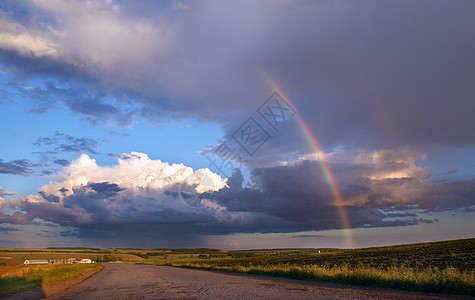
(123,281)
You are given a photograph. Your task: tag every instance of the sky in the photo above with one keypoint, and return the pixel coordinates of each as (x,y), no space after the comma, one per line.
(236,124)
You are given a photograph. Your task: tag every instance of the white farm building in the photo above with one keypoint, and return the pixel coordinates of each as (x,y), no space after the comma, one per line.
(36,262)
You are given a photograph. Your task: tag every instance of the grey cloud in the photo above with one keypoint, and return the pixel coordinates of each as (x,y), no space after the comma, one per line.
(78,145)
(421,220)
(87,107)
(370,75)
(49,198)
(469,209)
(65,85)
(300,199)
(61,142)
(405,214)
(282,145)
(16,167)
(307,236)
(8,229)
(448,172)
(62,162)
(451,195)
(9,242)
(69,233)
(109,189)
(97,112)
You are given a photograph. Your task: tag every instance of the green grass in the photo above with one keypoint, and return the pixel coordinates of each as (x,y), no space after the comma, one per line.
(21,278)
(440,267)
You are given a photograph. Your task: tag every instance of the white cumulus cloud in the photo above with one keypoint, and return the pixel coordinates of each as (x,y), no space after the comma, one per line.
(135,172)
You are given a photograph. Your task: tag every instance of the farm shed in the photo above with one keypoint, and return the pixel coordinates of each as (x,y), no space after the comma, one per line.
(36,262)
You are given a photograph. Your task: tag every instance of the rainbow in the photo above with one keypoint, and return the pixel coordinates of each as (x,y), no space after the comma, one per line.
(324,165)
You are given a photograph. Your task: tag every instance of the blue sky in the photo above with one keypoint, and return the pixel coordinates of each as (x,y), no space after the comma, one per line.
(155,125)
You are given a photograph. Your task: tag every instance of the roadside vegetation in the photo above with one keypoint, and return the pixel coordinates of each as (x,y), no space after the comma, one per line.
(440,267)
(14,279)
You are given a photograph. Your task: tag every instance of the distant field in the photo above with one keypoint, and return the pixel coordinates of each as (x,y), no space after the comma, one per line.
(16,256)
(442,267)
(459,254)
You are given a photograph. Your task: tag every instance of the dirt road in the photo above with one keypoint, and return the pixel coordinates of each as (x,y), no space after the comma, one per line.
(122,281)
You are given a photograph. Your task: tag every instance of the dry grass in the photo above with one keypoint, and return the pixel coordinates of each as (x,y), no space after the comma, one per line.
(20,278)
(8,272)
(448,280)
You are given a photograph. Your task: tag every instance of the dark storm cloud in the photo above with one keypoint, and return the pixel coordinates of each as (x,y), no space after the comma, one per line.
(135,220)
(16,167)
(367,74)
(297,198)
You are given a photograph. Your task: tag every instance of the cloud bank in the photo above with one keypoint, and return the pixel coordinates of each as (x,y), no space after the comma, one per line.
(174,205)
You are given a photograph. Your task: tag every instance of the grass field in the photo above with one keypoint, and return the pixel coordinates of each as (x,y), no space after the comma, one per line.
(16,256)
(441,267)
(14,279)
